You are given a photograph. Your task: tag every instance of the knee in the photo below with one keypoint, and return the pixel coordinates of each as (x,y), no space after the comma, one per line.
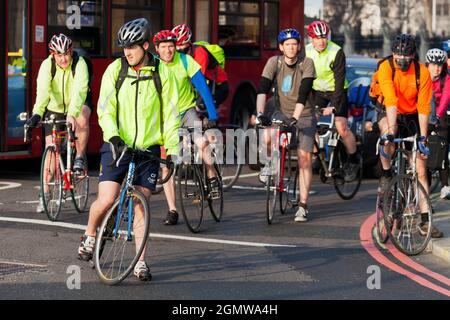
(104,203)
(82,122)
(305,162)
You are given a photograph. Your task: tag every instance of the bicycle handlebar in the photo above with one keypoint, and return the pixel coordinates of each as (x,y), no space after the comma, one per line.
(390,138)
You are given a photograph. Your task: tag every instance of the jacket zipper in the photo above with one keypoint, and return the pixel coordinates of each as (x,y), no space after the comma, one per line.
(136,110)
(64,102)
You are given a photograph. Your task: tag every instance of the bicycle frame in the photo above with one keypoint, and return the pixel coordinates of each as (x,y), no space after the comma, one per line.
(332,137)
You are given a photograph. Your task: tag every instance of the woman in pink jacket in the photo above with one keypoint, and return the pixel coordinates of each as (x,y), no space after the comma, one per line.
(437,66)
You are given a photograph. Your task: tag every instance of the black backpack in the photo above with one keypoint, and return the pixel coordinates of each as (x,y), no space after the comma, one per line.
(123,74)
(77,53)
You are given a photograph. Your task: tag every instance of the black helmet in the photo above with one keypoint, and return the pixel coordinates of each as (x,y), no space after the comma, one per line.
(134,32)
(404,44)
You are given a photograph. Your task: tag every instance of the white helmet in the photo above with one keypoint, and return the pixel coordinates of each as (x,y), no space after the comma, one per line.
(183,33)
(60,43)
(134,32)
(436,56)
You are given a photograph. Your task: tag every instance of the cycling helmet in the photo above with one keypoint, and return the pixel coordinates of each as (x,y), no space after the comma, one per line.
(446,45)
(60,43)
(436,56)
(318,29)
(183,34)
(133,32)
(404,44)
(164,36)
(288,34)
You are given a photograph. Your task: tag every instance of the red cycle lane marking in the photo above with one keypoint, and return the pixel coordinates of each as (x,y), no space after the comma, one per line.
(365,236)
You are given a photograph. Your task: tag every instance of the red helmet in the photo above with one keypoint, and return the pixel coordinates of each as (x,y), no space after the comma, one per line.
(318,29)
(165,36)
(183,34)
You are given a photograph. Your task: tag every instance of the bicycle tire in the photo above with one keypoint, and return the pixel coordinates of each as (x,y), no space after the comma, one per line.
(403,218)
(191,195)
(230,172)
(271,200)
(434,180)
(127,254)
(288,196)
(382,234)
(80,191)
(216,205)
(53,202)
(345,190)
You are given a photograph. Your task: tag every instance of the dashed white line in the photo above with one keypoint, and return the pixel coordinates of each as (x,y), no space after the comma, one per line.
(9,185)
(153,235)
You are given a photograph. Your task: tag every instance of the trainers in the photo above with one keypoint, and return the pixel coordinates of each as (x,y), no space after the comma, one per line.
(86,248)
(445,192)
(435,232)
(350,171)
(79,164)
(214,188)
(171,218)
(142,271)
(264,173)
(301,215)
(40,207)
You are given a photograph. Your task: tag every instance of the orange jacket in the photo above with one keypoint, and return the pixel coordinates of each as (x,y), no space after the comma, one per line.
(402,92)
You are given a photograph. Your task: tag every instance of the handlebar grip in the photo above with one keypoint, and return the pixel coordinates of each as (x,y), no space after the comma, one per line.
(423,149)
(170,165)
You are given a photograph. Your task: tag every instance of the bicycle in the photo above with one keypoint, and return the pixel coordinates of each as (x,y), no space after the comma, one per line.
(122,235)
(280,181)
(57,178)
(405,200)
(194,192)
(332,155)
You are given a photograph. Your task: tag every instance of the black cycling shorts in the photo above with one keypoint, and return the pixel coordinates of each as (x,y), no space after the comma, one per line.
(322,99)
(146,174)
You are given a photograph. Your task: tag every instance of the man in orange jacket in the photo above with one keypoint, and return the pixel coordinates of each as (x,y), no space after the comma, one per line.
(406,102)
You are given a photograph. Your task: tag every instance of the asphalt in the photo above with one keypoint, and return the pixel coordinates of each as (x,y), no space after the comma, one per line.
(441,219)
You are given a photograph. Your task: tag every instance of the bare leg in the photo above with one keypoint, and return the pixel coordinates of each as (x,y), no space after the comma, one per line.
(305,174)
(82,131)
(169,190)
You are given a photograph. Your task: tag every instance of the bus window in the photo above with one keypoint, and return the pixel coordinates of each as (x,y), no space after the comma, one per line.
(239,28)
(82,21)
(271,10)
(179,12)
(126,10)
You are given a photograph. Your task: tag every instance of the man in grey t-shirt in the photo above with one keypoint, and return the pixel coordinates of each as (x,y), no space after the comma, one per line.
(291,75)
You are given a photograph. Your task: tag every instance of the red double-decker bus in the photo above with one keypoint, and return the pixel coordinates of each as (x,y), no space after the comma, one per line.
(247,30)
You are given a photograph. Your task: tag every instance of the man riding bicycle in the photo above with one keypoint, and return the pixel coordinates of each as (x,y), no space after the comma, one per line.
(188,75)
(64,94)
(436,62)
(132,115)
(330,88)
(216,76)
(291,75)
(405,109)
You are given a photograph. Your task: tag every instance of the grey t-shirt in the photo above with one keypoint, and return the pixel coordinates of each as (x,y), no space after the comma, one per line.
(289,80)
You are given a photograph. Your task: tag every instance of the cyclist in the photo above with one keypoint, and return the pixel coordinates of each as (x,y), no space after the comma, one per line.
(330,88)
(132,116)
(64,94)
(436,60)
(216,76)
(188,73)
(405,103)
(291,75)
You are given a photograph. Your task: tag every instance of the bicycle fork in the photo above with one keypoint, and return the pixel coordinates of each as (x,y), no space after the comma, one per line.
(130,178)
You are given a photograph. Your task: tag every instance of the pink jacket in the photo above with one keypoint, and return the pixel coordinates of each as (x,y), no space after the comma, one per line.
(442,97)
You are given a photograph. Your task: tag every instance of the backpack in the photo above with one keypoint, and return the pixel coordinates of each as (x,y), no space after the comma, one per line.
(77,53)
(216,54)
(123,74)
(375,90)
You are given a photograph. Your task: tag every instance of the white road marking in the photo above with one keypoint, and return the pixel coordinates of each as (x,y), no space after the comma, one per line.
(9,185)
(23,264)
(153,235)
(27,202)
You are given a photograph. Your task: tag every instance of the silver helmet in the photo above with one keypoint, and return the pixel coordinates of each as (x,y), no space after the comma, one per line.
(134,32)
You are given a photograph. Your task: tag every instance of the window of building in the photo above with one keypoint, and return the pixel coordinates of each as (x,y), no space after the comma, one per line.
(271,17)
(439,9)
(445,9)
(127,10)
(239,28)
(179,12)
(82,21)
(202,20)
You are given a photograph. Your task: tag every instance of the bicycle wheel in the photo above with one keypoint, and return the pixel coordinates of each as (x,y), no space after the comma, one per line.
(288,195)
(159,187)
(382,234)
(271,200)
(80,191)
(116,249)
(345,189)
(190,195)
(403,201)
(51,184)
(434,180)
(215,201)
(231,167)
